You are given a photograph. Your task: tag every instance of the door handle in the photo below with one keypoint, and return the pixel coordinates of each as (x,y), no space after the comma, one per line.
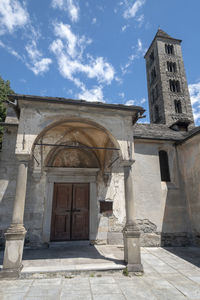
(73,210)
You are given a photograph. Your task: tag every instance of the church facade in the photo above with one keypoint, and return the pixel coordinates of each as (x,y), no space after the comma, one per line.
(76,170)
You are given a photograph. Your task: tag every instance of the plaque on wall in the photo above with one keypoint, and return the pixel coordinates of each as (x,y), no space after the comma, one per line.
(106,207)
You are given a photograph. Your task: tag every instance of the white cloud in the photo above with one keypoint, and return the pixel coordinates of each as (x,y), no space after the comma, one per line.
(41,66)
(94,20)
(10,50)
(67,50)
(74,45)
(194,90)
(70,6)
(95,94)
(122,95)
(140,20)
(124,28)
(32,51)
(130,102)
(143,100)
(64,31)
(132,9)
(136,102)
(38,64)
(139,51)
(139,45)
(12,14)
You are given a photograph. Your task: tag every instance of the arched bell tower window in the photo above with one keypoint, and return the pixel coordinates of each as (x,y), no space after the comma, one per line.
(174,86)
(178,107)
(171,67)
(169,49)
(164,166)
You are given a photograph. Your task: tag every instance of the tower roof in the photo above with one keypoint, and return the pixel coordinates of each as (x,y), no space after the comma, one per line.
(162,34)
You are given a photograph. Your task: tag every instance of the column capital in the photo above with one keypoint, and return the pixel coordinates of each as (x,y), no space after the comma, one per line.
(127,163)
(23,157)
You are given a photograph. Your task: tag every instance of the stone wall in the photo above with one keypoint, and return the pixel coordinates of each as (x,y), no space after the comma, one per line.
(161,210)
(8,175)
(189,153)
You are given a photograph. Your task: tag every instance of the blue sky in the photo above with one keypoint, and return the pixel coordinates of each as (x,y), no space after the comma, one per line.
(93,49)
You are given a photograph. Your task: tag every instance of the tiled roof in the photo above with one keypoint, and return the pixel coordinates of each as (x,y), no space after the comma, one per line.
(157,132)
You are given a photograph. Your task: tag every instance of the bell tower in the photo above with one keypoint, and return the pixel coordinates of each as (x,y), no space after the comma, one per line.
(169,100)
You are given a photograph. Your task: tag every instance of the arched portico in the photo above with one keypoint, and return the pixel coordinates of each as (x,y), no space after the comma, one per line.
(66,151)
(73,154)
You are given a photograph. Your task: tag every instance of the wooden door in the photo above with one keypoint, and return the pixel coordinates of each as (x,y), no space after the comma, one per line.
(80,212)
(70,212)
(61,212)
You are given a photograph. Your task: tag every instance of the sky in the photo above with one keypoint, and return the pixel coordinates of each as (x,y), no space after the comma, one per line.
(94,49)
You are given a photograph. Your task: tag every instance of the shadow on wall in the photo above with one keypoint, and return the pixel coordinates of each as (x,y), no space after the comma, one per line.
(176,224)
(175,219)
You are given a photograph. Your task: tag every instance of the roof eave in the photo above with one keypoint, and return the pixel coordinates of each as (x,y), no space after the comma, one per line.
(57,100)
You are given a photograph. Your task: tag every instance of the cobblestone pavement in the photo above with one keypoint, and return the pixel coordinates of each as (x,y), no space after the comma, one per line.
(170,273)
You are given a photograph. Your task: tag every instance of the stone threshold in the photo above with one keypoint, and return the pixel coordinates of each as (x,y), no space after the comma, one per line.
(63,271)
(68,244)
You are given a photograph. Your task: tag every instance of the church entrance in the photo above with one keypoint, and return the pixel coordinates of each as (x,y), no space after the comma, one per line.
(70,212)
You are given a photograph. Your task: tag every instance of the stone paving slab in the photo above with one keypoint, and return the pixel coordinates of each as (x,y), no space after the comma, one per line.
(162,280)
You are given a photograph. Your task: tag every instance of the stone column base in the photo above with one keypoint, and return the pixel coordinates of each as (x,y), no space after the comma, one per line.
(12,263)
(135,268)
(10,273)
(132,248)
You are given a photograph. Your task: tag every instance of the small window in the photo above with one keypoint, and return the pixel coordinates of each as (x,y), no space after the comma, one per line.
(151,56)
(156,114)
(178,107)
(169,49)
(156,91)
(153,74)
(174,67)
(153,96)
(164,166)
(172,85)
(177,83)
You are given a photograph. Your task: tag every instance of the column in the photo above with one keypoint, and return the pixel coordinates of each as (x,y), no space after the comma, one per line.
(130,232)
(15,234)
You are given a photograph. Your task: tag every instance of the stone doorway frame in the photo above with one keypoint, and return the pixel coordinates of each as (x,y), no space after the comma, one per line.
(71,175)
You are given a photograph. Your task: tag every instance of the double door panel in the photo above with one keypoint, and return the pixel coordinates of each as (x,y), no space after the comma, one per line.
(70,212)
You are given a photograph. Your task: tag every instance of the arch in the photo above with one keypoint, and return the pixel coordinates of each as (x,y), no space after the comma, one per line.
(72,157)
(81,120)
(77,133)
(169,49)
